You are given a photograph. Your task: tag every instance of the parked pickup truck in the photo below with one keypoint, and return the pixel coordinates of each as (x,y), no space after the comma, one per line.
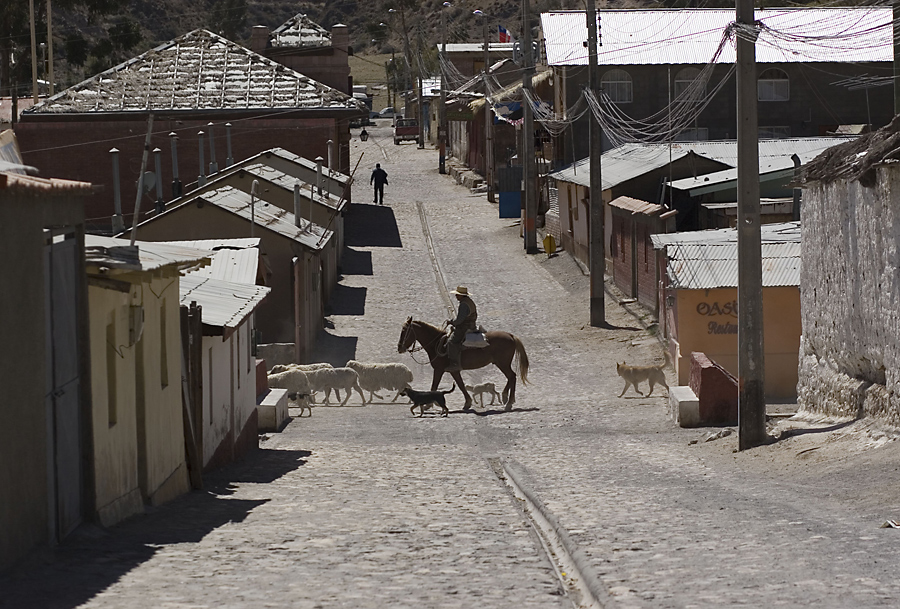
(406,129)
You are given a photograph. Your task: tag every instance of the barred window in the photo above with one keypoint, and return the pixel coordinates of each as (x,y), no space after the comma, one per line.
(616,84)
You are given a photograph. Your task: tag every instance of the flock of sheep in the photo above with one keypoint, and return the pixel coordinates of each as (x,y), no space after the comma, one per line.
(303,381)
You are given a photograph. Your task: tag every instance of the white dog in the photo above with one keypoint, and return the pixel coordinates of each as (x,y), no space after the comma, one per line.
(482,388)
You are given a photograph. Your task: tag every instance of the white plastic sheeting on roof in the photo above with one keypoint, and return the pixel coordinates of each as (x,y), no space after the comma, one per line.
(629,161)
(704,266)
(691,36)
(225,304)
(198,71)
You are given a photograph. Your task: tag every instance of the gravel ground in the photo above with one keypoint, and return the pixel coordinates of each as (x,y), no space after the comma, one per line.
(371,507)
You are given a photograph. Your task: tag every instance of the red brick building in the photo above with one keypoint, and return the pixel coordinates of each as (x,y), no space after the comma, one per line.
(635,269)
(194,80)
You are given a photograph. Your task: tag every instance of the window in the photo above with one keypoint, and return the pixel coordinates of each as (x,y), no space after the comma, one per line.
(695,134)
(569,199)
(111,381)
(773,85)
(616,84)
(773,133)
(683,81)
(163,352)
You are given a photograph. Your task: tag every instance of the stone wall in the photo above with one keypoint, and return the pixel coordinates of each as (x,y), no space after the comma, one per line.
(850,298)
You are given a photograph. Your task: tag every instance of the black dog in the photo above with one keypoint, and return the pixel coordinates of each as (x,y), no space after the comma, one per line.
(424,400)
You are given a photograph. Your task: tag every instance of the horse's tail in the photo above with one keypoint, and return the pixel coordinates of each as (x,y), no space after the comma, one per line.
(523,360)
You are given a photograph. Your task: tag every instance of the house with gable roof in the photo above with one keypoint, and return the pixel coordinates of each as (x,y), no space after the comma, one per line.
(818,68)
(186,84)
(302,255)
(305,46)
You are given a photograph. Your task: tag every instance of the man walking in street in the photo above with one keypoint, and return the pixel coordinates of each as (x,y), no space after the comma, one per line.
(379,178)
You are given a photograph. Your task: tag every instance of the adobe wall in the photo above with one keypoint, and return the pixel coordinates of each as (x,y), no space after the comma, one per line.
(79,150)
(850,283)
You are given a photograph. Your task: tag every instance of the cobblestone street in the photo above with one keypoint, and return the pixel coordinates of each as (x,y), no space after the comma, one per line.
(371,507)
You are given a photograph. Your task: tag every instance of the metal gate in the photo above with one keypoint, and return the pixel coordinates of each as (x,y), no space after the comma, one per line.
(63,383)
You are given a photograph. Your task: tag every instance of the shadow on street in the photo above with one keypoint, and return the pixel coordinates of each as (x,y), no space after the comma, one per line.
(92,559)
(371,226)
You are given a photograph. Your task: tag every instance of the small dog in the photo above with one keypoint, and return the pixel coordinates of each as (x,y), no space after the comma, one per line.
(635,374)
(425,399)
(482,388)
(302,400)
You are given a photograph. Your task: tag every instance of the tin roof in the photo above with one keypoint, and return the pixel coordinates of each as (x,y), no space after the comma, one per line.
(330,174)
(691,36)
(197,71)
(286,181)
(235,260)
(775,162)
(21,184)
(143,256)
(266,215)
(300,32)
(225,304)
(781,232)
(636,206)
(704,266)
(478,47)
(629,161)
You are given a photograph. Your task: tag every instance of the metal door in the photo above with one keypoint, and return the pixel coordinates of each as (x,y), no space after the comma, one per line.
(63,398)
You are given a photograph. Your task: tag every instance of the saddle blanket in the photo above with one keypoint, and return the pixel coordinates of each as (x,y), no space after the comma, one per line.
(475,340)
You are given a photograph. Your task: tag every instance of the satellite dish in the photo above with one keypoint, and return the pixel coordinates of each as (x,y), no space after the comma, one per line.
(149,182)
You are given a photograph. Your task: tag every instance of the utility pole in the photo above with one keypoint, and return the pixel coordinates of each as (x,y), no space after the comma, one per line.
(34,79)
(488,111)
(50,49)
(751,358)
(597,232)
(442,126)
(896,25)
(420,94)
(528,170)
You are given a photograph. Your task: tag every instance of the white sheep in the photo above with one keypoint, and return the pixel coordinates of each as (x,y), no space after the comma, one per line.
(373,377)
(297,384)
(304,367)
(327,379)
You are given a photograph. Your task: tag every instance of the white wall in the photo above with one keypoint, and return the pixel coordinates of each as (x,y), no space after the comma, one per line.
(850,298)
(229,389)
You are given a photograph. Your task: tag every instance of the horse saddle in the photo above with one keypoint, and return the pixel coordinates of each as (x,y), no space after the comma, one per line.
(475,340)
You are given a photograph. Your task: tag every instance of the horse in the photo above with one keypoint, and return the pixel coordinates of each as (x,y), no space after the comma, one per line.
(502,348)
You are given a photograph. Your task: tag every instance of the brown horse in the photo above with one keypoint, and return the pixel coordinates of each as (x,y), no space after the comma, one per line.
(502,348)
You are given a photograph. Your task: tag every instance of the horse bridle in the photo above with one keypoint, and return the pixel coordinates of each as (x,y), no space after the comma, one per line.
(413,348)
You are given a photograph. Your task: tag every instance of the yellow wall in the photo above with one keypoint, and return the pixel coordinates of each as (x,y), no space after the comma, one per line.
(707,322)
(114,414)
(161,426)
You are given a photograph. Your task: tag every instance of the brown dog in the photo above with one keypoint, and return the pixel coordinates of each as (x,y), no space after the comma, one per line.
(635,374)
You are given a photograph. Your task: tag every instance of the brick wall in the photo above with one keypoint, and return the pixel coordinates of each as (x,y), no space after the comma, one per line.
(79,150)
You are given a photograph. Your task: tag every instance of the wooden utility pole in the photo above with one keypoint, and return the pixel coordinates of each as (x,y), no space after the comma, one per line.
(50,49)
(34,78)
(488,111)
(442,123)
(896,30)
(597,230)
(751,358)
(528,169)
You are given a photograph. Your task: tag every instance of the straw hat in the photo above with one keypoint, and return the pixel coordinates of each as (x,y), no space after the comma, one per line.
(461,291)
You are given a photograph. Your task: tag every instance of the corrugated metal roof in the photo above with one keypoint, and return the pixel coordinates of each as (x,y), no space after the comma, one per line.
(691,36)
(636,206)
(279,178)
(300,32)
(330,174)
(704,266)
(775,160)
(478,47)
(19,183)
(197,71)
(781,232)
(235,260)
(118,253)
(268,216)
(225,304)
(629,161)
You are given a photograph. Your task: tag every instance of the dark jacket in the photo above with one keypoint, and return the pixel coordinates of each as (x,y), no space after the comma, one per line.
(379,176)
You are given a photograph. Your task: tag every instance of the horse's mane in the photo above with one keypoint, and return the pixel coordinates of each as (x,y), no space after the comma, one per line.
(426,324)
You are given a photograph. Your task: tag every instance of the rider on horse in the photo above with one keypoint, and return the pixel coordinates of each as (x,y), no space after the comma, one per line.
(465,320)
